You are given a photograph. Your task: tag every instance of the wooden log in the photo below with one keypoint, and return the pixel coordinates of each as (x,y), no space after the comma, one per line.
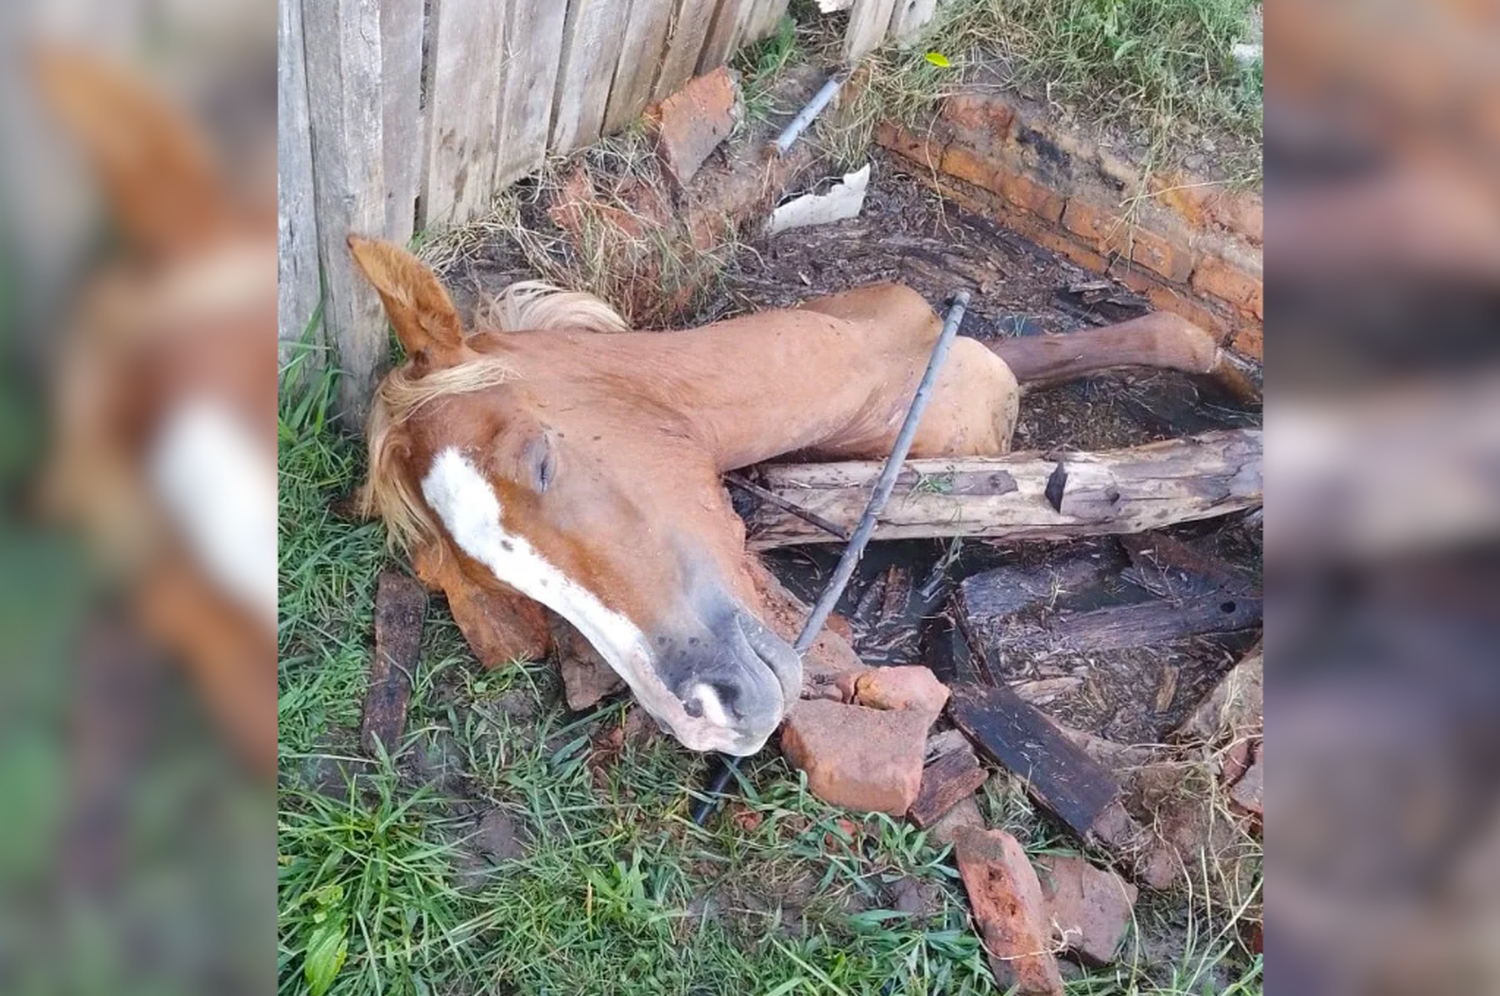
(342,48)
(1170,568)
(1120,627)
(400,608)
(297,278)
(1078,789)
(946,782)
(993,596)
(1115,491)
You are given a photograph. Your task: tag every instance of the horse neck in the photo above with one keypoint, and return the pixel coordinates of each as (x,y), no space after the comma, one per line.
(785,382)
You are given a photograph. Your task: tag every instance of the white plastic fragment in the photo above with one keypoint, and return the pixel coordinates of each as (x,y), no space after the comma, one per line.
(844,200)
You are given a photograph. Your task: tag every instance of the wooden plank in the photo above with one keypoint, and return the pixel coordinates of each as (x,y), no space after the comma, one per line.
(990,597)
(298,281)
(463,110)
(342,45)
(533,50)
(645,44)
(909,19)
(1170,568)
(764,21)
(592,39)
(868,22)
(1060,775)
(1109,492)
(946,782)
(400,609)
(1121,627)
(723,33)
(401,24)
(684,44)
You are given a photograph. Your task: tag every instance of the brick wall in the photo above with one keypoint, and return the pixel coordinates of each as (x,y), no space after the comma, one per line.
(1189,245)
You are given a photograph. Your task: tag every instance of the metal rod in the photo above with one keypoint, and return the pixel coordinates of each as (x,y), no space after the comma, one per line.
(813,109)
(852,553)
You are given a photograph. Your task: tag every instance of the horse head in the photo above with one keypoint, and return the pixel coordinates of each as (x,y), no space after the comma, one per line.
(539,463)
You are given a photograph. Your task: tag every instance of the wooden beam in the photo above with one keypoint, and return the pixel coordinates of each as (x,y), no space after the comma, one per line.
(400,609)
(1115,491)
(1075,787)
(645,42)
(592,40)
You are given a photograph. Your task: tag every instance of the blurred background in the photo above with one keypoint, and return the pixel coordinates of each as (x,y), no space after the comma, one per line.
(136,267)
(136,848)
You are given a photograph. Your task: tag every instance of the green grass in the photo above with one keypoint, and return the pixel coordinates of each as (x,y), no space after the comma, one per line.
(1160,69)
(381,888)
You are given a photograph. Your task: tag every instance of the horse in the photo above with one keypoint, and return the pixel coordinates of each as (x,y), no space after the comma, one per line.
(546,457)
(164,427)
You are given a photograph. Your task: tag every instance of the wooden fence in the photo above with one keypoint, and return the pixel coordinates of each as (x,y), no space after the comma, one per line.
(399,116)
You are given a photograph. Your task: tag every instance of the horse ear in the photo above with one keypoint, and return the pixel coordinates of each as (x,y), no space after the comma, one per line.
(420,310)
(158,175)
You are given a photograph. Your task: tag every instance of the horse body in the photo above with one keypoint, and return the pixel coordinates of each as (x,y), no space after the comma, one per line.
(581,469)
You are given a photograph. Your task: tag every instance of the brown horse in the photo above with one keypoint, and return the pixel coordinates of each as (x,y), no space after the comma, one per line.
(582,470)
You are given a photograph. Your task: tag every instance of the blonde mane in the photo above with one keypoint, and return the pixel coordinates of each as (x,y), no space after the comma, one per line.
(525,305)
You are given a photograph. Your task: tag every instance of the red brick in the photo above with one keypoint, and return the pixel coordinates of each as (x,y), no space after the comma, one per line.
(1118,170)
(1110,232)
(969,166)
(1024,192)
(1006,898)
(1089,907)
(922,151)
(987,117)
(866,759)
(1250,341)
(691,123)
(912,688)
(1233,281)
(1242,212)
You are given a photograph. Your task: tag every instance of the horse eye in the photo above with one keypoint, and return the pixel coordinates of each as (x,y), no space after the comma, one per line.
(544,471)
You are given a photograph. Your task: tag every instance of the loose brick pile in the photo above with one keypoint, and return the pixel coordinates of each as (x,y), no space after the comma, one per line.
(1193,247)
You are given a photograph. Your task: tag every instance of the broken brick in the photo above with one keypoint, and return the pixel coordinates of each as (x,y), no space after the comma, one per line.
(690,124)
(947,781)
(987,116)
(866,759)
(1109,232)
(1232,280)
(1090,908)
(912,688)
(922,151)
(1007,901)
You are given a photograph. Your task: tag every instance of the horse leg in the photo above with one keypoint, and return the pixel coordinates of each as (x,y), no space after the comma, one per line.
(1160,339)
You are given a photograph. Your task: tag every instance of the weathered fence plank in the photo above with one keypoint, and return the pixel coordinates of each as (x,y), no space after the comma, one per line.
(645,41)
(764,20)
(724,33)
(463,109)
(910,17)
(298,284)
(868,22)
(592,39)
(401,24)
(533,51)
(342,44)
(684,45)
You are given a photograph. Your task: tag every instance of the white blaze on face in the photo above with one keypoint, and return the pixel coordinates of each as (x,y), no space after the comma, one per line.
(219,487)
(470,510)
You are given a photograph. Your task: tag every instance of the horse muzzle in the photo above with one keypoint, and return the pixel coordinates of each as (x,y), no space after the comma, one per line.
(734,680)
